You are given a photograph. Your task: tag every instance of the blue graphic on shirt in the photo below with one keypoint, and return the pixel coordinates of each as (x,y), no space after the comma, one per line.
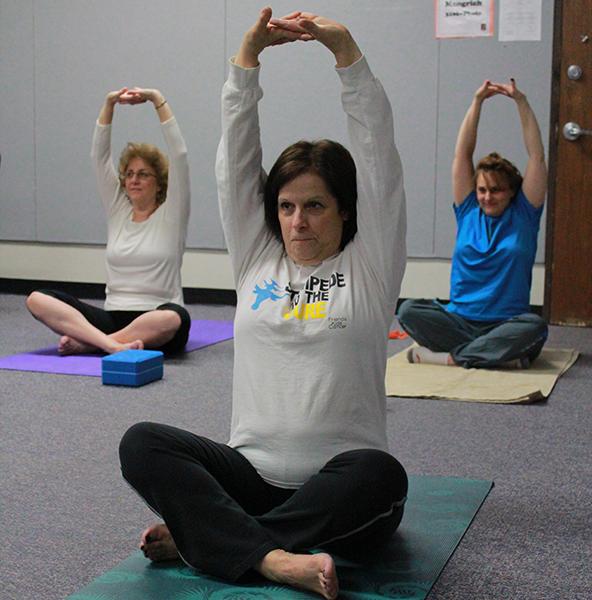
(266,293)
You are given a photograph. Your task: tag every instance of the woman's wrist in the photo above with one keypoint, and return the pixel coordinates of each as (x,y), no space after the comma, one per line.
(347,58)
(247,55)
(347,52)
(154,96)
(521,100)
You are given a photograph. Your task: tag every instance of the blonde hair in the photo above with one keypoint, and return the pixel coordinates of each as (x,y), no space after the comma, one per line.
(154,157)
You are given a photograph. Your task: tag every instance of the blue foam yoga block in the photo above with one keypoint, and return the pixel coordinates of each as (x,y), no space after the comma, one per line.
(132,367)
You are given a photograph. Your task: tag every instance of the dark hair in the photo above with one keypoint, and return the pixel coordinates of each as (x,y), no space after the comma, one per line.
(496,164)
(332,163)
(154,157)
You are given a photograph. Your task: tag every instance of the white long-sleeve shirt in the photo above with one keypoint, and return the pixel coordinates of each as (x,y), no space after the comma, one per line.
(310,341)
(143,260)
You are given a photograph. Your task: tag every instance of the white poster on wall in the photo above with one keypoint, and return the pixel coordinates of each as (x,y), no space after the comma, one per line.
(520,20)
(463,18)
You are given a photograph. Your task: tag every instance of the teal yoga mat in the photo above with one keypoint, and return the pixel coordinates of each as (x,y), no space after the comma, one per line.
(439,511)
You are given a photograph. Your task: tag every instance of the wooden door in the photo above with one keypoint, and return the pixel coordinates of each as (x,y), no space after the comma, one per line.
(568,262)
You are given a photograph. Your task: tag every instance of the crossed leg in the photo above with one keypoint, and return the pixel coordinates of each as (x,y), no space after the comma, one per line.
(154,329)
(79,335)
(244,523)
(447,338)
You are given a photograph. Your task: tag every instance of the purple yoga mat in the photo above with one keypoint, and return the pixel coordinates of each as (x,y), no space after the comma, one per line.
(47,360)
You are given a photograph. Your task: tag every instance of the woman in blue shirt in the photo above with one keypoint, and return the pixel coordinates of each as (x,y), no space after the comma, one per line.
(487,323)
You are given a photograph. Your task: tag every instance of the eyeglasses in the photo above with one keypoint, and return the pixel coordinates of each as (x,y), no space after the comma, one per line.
(142,175)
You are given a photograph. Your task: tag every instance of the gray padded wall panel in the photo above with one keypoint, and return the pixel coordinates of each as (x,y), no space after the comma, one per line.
(86,49)
(17,94)
(59,65)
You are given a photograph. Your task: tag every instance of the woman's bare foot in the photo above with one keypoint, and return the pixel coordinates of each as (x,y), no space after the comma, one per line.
(119,347)
(69,345)
(157,543)
(313,572)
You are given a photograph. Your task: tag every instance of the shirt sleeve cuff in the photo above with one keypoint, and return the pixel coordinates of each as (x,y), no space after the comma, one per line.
(356,74)
(243,78)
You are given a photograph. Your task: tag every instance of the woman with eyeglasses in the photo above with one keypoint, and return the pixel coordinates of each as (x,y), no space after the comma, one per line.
(488,323)
(147,203)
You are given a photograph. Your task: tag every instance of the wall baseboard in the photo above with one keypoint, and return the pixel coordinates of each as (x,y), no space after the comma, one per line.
(96,291)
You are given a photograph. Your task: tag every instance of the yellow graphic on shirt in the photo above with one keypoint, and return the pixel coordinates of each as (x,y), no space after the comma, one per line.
(306,312)
(311,302)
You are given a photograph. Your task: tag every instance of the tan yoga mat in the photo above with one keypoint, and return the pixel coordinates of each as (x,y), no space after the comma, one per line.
(509,386)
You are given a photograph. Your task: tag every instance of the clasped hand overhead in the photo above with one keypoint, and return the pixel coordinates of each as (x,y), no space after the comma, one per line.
(489,88)
(135,95)
(297,26)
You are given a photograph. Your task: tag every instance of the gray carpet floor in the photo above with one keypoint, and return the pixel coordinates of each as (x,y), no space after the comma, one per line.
(66,515)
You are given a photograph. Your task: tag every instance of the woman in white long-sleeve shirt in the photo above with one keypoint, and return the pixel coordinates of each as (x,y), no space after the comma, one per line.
(147,204)
(318,254)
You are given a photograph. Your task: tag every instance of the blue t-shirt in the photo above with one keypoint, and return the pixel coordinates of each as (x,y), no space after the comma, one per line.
(492,262)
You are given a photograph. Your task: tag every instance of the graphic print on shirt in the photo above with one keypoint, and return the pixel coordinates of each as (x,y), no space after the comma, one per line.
(267,292)
(306,304)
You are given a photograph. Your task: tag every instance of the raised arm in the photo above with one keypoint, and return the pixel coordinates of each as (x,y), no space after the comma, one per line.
(534,184)
(463,169)
(381,218)
(108,107)
(107,178)
(239,172)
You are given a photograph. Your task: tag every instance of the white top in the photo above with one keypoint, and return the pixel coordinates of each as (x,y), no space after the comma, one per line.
(310,342)
(143,260)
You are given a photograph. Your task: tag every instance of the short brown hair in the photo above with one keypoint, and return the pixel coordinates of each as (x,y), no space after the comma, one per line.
(496,164)
(333,163)
(154,157)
